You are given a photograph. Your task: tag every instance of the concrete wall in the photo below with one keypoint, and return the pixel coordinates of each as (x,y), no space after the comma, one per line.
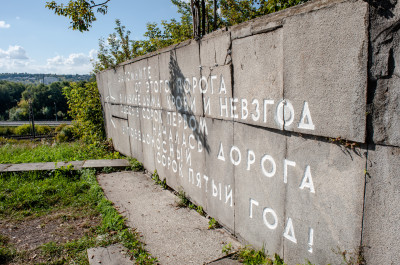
(285,128)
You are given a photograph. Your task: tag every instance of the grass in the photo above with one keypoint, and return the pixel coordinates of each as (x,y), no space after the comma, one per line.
(12,151)
(30,195)
(51,194)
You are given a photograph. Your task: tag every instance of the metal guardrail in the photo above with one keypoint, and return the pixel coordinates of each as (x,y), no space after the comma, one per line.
(19,123)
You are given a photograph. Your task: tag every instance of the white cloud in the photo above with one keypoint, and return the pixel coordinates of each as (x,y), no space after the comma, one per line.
(4,25)
(17,18)
(14,53)
(15,59)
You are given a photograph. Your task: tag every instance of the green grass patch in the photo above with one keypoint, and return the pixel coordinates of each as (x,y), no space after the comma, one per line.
(35,193)
(12,151)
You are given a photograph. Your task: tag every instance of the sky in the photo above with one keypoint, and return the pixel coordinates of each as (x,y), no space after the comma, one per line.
(35,40)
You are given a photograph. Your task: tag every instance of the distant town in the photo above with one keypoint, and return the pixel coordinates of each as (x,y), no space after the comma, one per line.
(42,78)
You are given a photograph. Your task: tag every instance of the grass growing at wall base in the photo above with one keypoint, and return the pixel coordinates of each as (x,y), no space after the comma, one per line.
(30,195)
(12,151)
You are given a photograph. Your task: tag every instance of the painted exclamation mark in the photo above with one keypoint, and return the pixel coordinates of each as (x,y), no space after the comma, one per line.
(310,240)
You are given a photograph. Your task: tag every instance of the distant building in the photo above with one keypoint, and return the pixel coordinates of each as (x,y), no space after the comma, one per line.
(47,80)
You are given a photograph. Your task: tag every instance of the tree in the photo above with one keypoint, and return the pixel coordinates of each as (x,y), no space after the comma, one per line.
(80,12)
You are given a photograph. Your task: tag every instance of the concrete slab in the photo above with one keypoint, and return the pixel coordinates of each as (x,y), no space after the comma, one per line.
(382,206)
(166,60)
(385,112)
(217,99)
(119,134)
(215,48)
(135,133)
(325,71)
(185,78)
(193,153)
(76,164)
(148,141)
(4,166)
(116,90)
(258,81)
(30,167)
(258,185)
(217,178)
(111,255)
(323,200)
(173,235)
(115,163)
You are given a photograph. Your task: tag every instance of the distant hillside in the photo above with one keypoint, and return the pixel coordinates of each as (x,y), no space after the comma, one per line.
(41,78)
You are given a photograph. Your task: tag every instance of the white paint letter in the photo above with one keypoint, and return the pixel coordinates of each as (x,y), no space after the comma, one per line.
(214,189)
(287,163)
(239,156)
(310,240)
(284,115)
(251,158)
(221,155)
(245,111)
(273,169)
(252,202)
(256,117)
(223,107)
(228,196)
(289,231)
(307,181)
(222,87)
(274,225)
(305,120)
(267,102)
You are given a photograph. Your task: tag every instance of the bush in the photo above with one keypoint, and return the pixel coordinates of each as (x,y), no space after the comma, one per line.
(43,129)
(23,130)
(66,134)
(26,130)
(7,130)
(86,110)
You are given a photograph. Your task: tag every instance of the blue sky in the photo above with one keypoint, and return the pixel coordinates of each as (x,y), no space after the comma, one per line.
(35,40)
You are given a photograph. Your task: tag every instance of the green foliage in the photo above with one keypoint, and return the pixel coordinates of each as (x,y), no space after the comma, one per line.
(37,193)
(46,100)
(157,180)
(226,249)
(28,152)
(249,255)
(213,224)
(85,109)
(6,130)
(80,12)
(183,200)
(135,165)
(26,129)
(65,134)
(200,210)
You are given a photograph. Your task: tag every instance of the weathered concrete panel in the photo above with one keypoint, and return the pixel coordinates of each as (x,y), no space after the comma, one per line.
(217,100)
(215,49)
(218,176)
(185,79)
(386,111)
(258,78)
(259,187)
(119,136)
(325,67)
(116,89)
(382,206)
(165,150)
(324,200)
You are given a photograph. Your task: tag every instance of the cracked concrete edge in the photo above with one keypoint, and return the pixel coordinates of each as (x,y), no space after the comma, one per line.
(111,255)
